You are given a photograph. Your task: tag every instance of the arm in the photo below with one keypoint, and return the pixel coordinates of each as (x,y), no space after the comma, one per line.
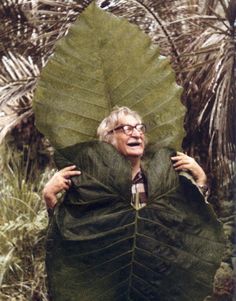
(60,181)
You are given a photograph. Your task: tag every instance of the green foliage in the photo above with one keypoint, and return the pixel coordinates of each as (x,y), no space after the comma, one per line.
(105,61)
(101,248)
(23,220)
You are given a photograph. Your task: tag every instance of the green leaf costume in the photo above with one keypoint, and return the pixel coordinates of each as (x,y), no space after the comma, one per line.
(101,248)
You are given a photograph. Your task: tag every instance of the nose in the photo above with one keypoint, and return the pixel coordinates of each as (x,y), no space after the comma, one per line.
(136,133)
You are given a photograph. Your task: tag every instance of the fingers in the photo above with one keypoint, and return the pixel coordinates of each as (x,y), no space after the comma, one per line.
(64,175)
(183,162)
(68,181)
(59,181)
(70,167)
(69,171)
(183,167)
(67,184)
(182,159)
(181,156)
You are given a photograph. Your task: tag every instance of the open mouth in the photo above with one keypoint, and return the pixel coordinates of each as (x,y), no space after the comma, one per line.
(133,144)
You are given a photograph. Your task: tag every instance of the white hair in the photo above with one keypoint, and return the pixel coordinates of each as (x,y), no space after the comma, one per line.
(105,128)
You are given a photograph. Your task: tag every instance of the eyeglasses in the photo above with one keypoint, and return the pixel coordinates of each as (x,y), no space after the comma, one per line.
(128,129)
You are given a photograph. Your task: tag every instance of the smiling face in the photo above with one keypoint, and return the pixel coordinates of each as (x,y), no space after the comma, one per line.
(131,146)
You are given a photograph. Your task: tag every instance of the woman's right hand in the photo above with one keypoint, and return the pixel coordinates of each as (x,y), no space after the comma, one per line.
(59,181)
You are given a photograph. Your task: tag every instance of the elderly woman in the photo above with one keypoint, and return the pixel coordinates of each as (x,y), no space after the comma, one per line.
(129,227)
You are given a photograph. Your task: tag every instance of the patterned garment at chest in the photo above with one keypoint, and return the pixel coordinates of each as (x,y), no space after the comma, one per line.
(139,191)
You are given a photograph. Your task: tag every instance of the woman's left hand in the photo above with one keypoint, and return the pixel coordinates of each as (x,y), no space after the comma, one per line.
(183,162)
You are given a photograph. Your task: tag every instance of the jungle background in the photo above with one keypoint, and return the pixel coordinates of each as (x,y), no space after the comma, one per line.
(199,38)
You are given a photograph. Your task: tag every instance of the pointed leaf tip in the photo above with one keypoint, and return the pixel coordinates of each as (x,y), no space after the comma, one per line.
(105,61)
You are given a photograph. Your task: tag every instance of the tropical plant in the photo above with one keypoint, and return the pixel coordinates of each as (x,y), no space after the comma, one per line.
(23,221)
(195,34)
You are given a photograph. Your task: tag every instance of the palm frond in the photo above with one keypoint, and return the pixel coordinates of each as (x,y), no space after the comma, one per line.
(29,30)
(212,104)
(18,77)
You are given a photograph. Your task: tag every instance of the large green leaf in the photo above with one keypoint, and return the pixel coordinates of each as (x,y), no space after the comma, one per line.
(100,248)
(105,61)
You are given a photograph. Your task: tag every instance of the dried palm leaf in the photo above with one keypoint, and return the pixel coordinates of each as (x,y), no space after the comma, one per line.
(29,30)
(210,97)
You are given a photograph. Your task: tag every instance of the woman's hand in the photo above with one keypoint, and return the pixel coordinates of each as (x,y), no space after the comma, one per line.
(60,181)
(183,162)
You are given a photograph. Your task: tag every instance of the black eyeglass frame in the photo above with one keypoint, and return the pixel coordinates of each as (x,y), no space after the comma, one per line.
(143,126)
